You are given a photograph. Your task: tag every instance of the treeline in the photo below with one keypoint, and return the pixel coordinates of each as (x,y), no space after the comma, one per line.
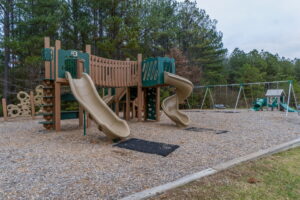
(258,66)
(122,29)
(115,29)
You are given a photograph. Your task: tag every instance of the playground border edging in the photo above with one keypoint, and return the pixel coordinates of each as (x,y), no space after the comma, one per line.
(212,170)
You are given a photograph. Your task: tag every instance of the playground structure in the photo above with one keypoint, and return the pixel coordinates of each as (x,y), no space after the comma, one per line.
(28,103)
(262,94)
(130,86)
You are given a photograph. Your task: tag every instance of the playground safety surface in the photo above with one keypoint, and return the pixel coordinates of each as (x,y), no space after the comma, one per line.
(37,164)
(145,146)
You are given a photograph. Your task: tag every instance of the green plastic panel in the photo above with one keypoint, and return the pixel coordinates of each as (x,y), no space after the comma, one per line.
(69,115)
(71,66)
(64,55)
(153,70)
(47,54)
(67,97)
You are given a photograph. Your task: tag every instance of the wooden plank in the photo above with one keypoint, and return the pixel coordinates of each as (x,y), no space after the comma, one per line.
(57,106)
(57,47)
(80,68)
(32,105)
(62,80)
(52,65)
(80,117)
(133,110)
(47,63)
(139,86)
(157,104)
(145,102)
(4,109)
(128,75)
(88,50)
(117,108)
(101,73)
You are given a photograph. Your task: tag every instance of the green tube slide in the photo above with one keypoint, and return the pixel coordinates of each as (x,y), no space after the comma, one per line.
(259,104)
(286,107)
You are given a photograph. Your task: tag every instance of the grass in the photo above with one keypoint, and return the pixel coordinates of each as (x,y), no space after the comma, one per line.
(274,177)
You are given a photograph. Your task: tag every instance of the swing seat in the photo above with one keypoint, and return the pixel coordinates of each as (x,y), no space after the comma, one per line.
(220,106)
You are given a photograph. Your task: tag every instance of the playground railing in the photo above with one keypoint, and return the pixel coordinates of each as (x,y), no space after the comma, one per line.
(113,73)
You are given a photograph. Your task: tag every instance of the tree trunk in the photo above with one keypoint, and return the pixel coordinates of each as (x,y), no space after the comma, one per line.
(6,47)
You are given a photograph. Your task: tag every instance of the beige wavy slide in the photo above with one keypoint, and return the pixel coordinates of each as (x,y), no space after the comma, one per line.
(170,105)
(86,94)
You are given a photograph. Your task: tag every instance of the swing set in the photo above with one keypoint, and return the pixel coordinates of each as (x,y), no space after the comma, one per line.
(235,92)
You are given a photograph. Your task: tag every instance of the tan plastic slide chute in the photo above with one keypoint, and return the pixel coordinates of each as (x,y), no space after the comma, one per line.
(170,105)
(86,94)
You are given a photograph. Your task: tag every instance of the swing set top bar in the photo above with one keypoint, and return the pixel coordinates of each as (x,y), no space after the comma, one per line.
(241,84)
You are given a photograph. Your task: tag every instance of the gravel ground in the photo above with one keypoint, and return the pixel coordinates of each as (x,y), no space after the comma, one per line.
(36,164)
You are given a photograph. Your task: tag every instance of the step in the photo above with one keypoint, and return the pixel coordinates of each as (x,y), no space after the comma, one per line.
(46,114)
(46,105)
(46,122)
(69,115)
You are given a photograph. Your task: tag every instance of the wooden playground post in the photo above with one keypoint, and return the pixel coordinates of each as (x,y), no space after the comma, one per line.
(127,116)
(88,50)
(157,104)
(52,64)
(32,105)
(47,63)
(145,90)
(57,91)
(4,109)
(57,47)
(57,106)
(79,74)
(139,87)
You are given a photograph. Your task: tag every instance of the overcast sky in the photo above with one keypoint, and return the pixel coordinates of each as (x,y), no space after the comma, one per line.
(271,25)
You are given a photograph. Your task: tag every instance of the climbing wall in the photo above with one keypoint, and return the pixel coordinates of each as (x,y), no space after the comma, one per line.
(150,106)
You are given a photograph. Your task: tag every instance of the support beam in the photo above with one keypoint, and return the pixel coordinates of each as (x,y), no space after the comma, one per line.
(127,116)
(145,104)
(117,107)
(139,87)
(212,99)
(47,63)
(88,50)
(57,47)
(289,97)
(52,65)
(79,74)
(238,98)
(295,98)
(57,107)
(4,109)
(204,98)
(157,104)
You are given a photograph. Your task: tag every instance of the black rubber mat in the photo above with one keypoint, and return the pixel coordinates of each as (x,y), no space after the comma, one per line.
(221,132)
(145,146)
(198,129)
(226,111)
